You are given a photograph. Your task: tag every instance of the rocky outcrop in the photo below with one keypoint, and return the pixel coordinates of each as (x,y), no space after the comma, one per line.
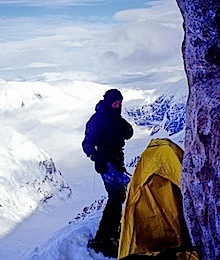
(201,164)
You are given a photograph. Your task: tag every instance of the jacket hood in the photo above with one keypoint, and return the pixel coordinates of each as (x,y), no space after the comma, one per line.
(103,108)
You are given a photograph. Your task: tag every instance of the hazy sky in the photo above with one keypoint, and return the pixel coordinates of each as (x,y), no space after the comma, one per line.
(83,8)
(98,39)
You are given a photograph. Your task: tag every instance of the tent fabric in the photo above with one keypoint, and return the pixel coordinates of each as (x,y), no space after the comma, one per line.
(152,219)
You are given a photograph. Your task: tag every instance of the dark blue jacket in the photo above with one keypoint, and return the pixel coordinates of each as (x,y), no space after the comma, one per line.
(105,134)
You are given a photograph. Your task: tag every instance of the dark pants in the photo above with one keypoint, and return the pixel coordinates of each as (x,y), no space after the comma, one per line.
(109,226)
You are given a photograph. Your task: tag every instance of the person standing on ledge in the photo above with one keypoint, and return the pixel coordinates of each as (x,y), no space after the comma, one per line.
(105,135)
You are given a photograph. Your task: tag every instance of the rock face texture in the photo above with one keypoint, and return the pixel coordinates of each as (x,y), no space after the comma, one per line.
(201,164)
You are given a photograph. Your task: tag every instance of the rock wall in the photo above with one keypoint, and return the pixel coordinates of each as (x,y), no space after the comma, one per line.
(201,163)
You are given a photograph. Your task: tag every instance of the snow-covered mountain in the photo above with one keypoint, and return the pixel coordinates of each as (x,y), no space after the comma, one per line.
(166,111)
(28,179)
(43,166)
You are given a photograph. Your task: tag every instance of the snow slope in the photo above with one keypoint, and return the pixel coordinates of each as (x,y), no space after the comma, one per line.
(28,179)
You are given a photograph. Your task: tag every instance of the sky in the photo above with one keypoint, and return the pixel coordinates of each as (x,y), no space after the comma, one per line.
(101,41)
(84,9)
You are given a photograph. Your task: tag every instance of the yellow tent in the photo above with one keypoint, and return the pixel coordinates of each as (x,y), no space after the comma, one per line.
(152,220)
